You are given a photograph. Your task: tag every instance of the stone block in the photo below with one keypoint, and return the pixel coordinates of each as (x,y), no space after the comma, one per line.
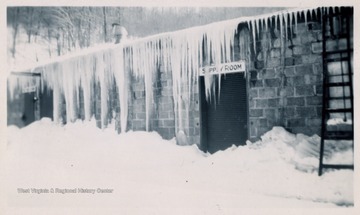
(254,84)
(139,108)
(261,103)
(256,112)
(259,64)
(289,112)
(273,82)
(310,59)
(267,92)
(304,90)
(138,125)
(316,47)
(139,94)
(305,112)
(296,41)
(167,91)
(289,52)
(295,122)
(314,100)
(314,122)
(165,123)
(262,122)
(275,53)
(319,89)
(267,73)
(273,62)
(286,91)
(304,69)
(301,50)
(277,43)
(308,38)
(297,81)
(274,102)
(140,116)
(317,69)
(163,115)
(289,71)
(251,103)
(253,93)
(295,101)
(270,114)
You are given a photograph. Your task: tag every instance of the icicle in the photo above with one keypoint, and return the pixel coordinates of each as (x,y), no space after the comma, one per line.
(148,83)
(101,76)
(296,22)
(266,24)
(122,82)
(282,48)
(86,72)
(291,24)
(305,17)
(254,34)
(257,28)
(286,27)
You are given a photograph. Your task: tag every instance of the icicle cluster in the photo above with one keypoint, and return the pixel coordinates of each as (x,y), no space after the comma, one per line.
(182,52)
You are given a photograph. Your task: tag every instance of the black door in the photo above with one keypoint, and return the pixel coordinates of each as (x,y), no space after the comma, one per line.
(224,123)
(23,107)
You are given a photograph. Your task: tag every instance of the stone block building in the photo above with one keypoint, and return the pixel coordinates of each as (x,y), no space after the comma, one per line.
(281,85)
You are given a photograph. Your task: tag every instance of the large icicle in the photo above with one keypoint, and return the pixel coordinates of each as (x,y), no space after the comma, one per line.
(122,81)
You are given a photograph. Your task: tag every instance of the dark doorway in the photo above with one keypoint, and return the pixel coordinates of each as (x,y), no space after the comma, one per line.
(21,110)
(23,106)
(224,122)
(46,103)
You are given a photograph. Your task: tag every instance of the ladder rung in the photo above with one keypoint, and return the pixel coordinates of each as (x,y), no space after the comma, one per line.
(338,51)
(339,36)
(337,75)
(339,98)
(339,110)
(337,59)
(339,135)
(337,84)
(338,166)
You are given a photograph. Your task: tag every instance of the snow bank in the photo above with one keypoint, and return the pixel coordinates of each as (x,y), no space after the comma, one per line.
(145,171)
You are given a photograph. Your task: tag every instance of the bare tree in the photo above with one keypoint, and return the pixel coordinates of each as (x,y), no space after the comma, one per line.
(13,17)
(105,25)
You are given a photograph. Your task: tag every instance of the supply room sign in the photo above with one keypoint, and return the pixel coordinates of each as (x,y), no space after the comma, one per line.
(224,68)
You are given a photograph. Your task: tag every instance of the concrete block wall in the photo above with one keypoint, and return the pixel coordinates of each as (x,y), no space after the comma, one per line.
(285,84)
(162,117)
(284,89)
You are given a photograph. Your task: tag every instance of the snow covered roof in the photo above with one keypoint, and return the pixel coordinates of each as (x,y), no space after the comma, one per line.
(255,23)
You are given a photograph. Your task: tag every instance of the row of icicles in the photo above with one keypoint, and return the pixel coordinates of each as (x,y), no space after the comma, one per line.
(182,53)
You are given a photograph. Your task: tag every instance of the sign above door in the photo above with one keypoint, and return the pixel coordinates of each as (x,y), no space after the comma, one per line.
(223,68)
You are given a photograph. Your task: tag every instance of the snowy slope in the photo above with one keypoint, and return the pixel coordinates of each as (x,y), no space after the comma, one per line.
(148,173)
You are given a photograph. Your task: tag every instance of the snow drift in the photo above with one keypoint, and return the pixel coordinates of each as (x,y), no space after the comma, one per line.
(146,171)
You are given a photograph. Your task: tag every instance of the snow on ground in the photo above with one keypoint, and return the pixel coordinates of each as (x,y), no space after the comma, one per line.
(145,172)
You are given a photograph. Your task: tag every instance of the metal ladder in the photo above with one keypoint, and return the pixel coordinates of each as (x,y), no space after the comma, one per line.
(338,97)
